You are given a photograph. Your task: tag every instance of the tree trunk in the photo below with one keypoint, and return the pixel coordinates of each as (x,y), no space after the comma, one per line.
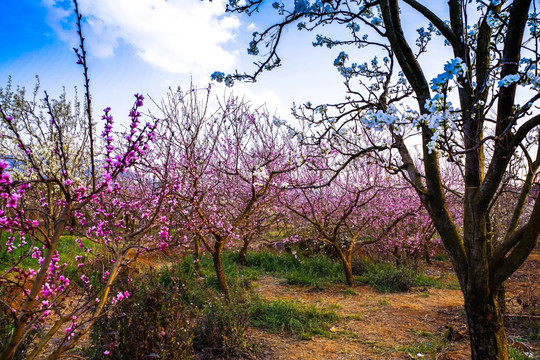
(347,268)
(218,266)
(486,327)
(243,252)
(197,253)
(348,273)
(19,331)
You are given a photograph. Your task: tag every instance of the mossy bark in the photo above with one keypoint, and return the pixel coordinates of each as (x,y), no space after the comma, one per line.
(218,266)
(486,327)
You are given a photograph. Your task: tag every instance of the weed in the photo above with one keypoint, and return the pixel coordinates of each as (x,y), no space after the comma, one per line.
(389,278)
(292,316)
(221,328)
(156,313)
(422,333)
(518,354)
(357,317)
(533,329)
(429,344)
(349,291)
(383,302)
(440,257)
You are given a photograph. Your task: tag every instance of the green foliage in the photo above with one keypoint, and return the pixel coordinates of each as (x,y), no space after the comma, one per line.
(440,257)
(177,312)
(202,283)
(387,277)
(383,302)
(221,328)
(349,291)
(292,316)
(155,313)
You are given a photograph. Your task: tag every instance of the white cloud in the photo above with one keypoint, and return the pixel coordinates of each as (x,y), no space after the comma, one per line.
(257,95)
(178,36)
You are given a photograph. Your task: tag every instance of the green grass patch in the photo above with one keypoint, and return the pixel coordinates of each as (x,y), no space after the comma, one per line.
(315,270)
(387,277)
(292,316)
(67,247)
(518,354)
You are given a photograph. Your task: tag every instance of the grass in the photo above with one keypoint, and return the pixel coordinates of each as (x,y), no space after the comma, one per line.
(518,354)
(67,248)
(320,270)
(349,292)
(386,277)
(316,270)
(357,317)
(383,302)
(293,317)
(427,346)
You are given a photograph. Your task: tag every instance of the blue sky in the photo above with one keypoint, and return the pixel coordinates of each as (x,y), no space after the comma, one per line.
(147,46)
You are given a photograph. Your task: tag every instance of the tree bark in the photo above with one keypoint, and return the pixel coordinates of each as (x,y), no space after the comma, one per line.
(347,268)
(486,326)
(197,253)
(243,252)
(218,266)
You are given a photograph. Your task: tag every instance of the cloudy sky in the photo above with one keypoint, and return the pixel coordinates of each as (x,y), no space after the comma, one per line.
(147,46)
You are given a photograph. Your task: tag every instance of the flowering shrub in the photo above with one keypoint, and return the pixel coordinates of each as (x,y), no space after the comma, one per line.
(155,312)
(50,185)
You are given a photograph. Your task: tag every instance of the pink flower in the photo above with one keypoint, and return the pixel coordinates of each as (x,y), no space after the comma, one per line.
(12,201)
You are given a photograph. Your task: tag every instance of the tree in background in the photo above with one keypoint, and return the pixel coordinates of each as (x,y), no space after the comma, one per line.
(361,208)
(478,114)
(226,165)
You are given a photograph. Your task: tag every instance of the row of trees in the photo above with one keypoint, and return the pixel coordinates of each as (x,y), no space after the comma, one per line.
(195,179)
(480,114)
(208,179)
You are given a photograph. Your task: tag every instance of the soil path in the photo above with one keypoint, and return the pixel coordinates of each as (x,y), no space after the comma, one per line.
(375,325)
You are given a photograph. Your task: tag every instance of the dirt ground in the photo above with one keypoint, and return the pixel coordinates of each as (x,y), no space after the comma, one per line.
(375,325)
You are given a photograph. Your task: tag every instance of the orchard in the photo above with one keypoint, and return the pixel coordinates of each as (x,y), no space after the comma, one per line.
(158,239)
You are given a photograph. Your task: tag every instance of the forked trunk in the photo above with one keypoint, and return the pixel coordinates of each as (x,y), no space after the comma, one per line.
(486,327)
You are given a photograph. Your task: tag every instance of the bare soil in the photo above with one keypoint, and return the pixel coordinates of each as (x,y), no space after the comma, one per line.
(375,325)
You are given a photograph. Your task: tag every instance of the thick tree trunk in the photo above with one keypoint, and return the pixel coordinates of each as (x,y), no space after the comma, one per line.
(486,327)
(218,266)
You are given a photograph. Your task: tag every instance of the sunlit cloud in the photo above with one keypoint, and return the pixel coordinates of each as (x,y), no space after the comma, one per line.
(178,36)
